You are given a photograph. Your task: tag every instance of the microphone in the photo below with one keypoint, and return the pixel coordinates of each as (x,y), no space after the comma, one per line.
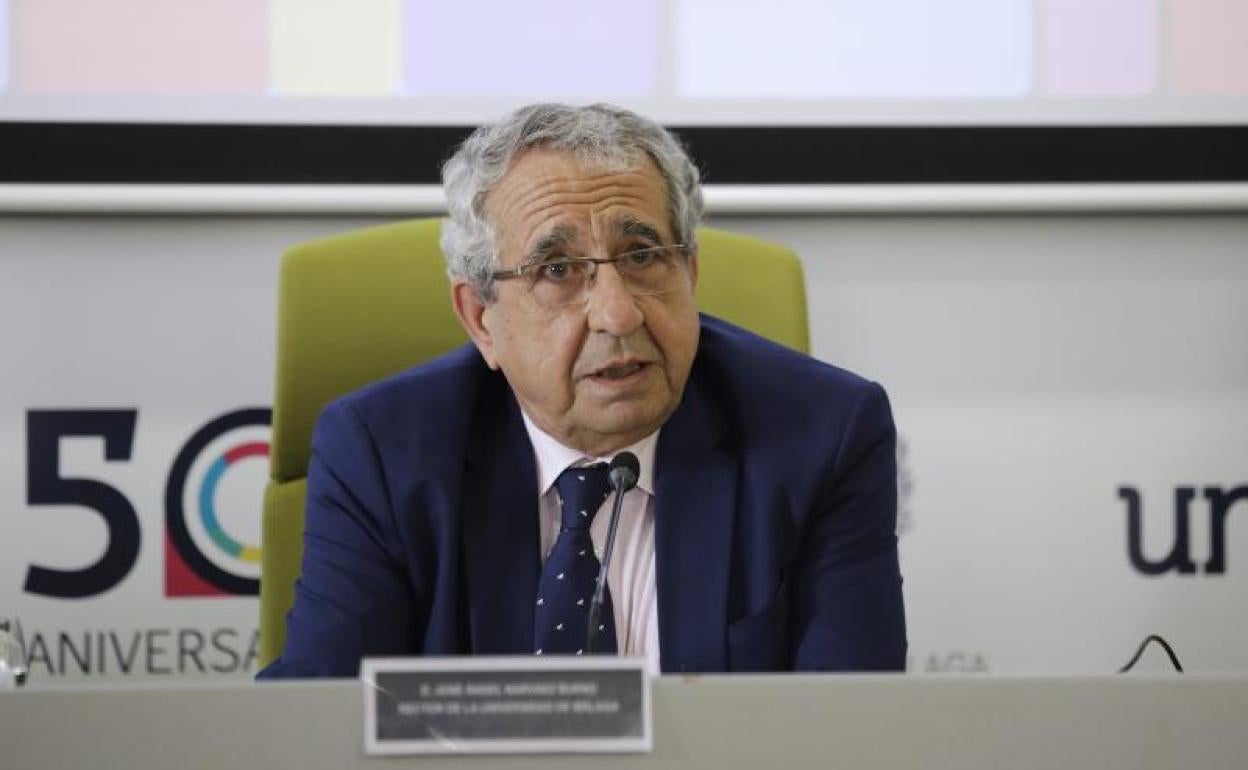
(623,476)
(624,472)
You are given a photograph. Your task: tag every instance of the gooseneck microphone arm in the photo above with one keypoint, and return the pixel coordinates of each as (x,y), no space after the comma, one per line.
(623,476)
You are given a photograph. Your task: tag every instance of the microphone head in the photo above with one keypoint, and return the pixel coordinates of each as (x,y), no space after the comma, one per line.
(624,471)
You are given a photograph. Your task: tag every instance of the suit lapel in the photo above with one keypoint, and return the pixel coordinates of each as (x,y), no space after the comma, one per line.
(500,534)
(695,504)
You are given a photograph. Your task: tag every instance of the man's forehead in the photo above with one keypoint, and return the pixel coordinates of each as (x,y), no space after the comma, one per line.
(567,236)
(548,193)
(620,223)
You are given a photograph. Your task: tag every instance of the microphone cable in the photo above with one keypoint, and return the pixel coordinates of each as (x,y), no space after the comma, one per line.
(1174,659)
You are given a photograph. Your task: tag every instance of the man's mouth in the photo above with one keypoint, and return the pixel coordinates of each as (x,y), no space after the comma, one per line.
(620,371)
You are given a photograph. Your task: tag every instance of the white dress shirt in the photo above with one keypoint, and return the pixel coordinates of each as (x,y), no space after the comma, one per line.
(631,574)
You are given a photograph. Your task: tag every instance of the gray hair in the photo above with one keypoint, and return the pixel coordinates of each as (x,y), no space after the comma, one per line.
(597,134)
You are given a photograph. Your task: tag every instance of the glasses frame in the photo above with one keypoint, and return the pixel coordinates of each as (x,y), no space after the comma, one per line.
(524,270)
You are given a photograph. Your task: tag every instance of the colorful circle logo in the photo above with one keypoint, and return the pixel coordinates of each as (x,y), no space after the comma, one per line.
(207,500)
(204,553)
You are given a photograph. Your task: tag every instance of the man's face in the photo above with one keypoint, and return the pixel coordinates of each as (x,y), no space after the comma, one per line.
(601,374)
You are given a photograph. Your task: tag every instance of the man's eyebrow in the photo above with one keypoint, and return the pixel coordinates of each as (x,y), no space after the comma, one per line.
(556,240)
(636,228)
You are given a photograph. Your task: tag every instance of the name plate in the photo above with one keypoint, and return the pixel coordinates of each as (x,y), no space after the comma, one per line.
(535,704)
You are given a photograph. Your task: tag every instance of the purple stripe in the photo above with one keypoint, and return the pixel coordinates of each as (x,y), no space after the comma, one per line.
(535,49)
(6,47)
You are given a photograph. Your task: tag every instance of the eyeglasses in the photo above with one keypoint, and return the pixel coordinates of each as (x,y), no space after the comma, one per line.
(560,282)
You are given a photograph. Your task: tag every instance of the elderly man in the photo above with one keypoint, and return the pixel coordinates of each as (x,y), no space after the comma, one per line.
(451,508)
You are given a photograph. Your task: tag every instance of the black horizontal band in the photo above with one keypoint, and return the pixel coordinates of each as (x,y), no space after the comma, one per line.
(144,153)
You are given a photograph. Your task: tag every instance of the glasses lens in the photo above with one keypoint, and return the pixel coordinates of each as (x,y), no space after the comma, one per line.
(644,272)
(560,282)
(651,271)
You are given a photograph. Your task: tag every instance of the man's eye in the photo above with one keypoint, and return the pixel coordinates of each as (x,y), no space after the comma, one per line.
(644,257)
(555,271)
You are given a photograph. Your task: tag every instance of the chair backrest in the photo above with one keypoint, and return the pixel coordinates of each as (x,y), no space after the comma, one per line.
(356,307)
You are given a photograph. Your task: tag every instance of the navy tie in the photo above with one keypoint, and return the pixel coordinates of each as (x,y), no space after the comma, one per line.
(566,587)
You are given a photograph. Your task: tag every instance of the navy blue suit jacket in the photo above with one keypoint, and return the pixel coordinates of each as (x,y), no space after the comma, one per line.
(775,507)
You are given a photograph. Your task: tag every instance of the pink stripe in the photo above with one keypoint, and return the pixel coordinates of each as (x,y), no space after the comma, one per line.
(1207,46)
(141,46)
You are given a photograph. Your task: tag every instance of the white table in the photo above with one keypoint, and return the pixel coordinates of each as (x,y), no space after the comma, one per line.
(713,722)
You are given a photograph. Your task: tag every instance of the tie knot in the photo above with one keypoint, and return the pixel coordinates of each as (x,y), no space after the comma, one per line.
(581,491)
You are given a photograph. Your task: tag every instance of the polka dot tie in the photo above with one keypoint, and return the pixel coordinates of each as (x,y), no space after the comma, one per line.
(566,587)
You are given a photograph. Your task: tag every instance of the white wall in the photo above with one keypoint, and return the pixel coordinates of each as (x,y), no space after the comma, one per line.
(1036,364)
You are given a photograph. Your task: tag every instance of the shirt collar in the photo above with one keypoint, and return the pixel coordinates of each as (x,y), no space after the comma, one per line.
(554,458)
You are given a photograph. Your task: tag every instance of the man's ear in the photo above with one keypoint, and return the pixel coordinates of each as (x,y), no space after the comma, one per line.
(470,309)
(693,267)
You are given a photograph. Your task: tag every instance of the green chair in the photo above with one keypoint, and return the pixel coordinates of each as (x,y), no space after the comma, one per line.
(356,307)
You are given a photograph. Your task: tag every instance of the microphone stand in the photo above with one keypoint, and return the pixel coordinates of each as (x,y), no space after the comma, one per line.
(623,478)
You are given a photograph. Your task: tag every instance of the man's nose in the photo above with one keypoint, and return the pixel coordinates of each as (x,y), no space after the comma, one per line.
(611,307)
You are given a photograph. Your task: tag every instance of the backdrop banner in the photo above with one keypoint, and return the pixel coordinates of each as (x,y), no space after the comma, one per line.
(1070,393)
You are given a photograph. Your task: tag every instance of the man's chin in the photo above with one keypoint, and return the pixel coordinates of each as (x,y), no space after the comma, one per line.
(622,423)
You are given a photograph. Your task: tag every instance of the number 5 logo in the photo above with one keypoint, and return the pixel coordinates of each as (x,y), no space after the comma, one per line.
(46,486)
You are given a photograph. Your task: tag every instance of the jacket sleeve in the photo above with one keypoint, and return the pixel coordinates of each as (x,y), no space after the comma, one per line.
(352,598)
(847,611)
